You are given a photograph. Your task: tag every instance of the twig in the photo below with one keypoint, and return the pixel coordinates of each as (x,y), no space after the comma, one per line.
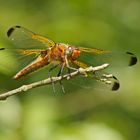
(82,71)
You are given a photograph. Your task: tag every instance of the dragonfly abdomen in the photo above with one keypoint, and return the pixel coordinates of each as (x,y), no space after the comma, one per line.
(38,63)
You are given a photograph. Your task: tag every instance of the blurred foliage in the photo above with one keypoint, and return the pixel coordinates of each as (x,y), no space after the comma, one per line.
(83,113)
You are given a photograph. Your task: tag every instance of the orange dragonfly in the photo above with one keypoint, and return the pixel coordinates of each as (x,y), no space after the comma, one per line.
(47,51)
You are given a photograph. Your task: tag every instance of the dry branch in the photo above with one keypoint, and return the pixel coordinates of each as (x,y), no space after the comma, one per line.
(80,71)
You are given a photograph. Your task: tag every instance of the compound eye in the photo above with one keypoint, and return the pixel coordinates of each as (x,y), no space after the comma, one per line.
(70,49)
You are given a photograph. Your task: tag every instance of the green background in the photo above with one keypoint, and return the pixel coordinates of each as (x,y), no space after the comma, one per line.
(83,113)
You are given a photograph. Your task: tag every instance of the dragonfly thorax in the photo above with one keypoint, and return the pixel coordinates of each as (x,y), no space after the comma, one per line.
(60,51)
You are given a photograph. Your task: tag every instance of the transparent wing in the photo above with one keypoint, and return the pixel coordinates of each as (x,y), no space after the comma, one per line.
(24,38)
(14,60)
(111,82)
(29,44)
(97,56)
(80,64)
(94,50)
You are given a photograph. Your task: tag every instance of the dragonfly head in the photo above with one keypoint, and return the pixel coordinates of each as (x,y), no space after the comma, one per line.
(73,52)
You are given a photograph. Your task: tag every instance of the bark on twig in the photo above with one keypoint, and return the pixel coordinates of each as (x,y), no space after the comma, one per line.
(24,88)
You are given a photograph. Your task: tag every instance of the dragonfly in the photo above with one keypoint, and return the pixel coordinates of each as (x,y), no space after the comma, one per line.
(46,51)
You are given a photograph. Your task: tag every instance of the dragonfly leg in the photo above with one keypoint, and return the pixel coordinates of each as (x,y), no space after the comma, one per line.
(60,74)
(50,71)
(69,73)
(69,68)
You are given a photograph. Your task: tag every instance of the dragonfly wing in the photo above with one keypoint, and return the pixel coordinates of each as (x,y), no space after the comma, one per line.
(16,59)
(98,56)
(94,50)
(133,58)
(108,80)
(24,38)
(80,64)
(120,59)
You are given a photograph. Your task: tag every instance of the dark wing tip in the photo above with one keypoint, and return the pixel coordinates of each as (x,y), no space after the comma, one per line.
(2,48)
(133,59)
(17,26)
(116,86)
(10,31)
